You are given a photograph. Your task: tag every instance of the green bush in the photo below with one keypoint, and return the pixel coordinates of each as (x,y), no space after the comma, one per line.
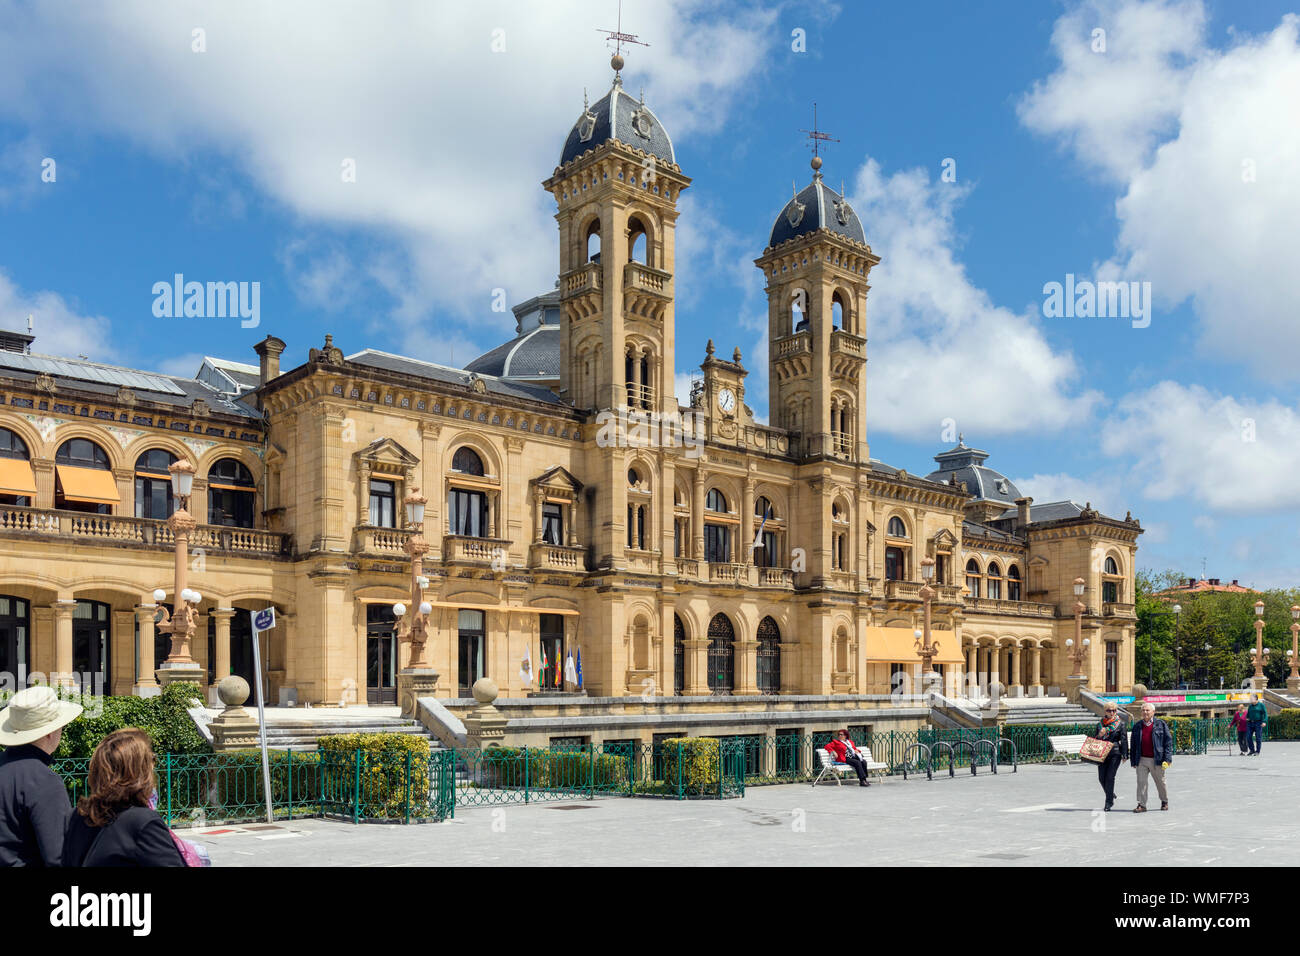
(164,718)
(1184,731)
(701,758)
(234,782)
(503,767)
(383,791)
(1284,725)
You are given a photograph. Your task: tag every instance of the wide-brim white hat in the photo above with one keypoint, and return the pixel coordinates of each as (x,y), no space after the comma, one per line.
(33,713)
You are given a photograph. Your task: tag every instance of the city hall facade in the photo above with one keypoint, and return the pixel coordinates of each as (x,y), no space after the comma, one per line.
(694,557)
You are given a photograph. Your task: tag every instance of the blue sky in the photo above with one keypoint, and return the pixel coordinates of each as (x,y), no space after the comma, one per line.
(1127,162)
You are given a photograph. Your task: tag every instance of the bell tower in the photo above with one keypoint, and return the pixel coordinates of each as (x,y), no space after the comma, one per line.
(616,189)
(816,266)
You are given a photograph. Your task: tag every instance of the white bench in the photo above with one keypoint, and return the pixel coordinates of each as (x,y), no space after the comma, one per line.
(829,764)
(1066,746)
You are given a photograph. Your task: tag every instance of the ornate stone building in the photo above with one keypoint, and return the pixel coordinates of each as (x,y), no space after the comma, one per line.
(713,572)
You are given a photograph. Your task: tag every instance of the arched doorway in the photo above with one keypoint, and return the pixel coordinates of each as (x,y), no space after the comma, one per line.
(722,655)
(679,656)
(769,657)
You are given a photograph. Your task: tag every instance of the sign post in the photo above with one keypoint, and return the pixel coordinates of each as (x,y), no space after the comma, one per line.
(263,620)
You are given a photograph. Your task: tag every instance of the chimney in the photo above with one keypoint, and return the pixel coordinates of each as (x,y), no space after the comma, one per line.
(1234,582)
(268,352)
(1191,582)
(1023,504)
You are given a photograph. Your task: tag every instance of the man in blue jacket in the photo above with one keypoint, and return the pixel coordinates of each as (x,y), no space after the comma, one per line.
(1151,751)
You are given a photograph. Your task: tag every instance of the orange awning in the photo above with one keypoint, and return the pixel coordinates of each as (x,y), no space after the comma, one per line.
(90,485)
(16,477)
(247,488)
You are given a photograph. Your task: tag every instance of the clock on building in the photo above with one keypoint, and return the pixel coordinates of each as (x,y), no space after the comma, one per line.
(727,401)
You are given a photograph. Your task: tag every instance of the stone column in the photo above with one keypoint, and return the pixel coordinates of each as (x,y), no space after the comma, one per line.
(746,677)
(697,515)
(485,726)
(995,666)
(747,522)
(235,728)
(221,653)
(971,665)
(1035,671)
(146,685)
(697,667)
(62,609)
(1017,678)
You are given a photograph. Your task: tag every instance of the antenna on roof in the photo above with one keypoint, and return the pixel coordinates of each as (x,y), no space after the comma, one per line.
(28,347)
(619,38)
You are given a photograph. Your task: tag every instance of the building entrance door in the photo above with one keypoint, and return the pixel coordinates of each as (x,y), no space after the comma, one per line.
(1112,667)
(13,638)
(381,655)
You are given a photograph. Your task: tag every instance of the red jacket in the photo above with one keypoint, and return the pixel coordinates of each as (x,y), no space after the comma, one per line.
(839,752)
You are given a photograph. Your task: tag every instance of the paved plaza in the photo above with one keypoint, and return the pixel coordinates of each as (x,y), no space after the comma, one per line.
(1226,810)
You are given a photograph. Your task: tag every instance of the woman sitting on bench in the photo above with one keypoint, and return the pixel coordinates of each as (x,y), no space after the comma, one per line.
(842,750)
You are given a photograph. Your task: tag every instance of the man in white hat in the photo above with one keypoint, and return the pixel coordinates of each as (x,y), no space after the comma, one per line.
(34,805)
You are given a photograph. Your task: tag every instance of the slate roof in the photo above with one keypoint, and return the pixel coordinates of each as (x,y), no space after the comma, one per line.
(967,464)
(534,354)
(452,376)
(617,116)
(822,208)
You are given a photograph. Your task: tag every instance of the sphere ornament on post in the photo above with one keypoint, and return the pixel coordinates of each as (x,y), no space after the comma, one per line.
(234,728)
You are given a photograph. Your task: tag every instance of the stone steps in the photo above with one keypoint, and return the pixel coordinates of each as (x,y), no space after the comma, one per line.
(1063,713)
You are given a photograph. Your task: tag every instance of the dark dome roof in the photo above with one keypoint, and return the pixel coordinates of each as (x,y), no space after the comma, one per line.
(817,206)
(533,355)
(967,464)
(618,116)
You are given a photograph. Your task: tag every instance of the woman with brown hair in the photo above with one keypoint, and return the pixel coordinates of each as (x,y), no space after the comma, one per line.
(114,825)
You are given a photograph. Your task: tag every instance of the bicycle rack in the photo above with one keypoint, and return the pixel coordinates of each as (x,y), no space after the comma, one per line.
(1015,764)
(969,746)
(948,747)
(980,746)
(929,763)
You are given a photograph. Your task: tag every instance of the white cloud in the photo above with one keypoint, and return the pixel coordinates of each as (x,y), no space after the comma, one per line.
(450,140)
(1186,442)
(1203,143)
(184,365)
(60,328)
(1105,494)
(940,347)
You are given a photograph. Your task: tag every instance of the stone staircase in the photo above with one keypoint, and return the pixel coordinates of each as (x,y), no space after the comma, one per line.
(1048,710)
(300,728)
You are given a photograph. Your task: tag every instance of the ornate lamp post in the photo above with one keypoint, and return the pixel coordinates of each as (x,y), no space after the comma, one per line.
(1076,647)
(180,665)
(1293,681)
(926,648)
(1259,653)
(1206,648)
(417,679)
(1178,650)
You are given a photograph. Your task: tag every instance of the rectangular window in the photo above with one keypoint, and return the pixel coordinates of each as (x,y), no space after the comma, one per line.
(383,497)
(765,555)
(893,564)
(551,676)
(677,538)
(1013,590)
(471,651)
(995,588)
(552,524)
(717,543)
(467,513)
(1109,592)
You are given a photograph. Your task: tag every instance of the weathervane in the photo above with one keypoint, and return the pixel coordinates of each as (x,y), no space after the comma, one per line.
(817,137)
(619,38)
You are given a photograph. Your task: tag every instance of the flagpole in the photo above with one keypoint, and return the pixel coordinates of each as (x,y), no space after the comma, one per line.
(261,714)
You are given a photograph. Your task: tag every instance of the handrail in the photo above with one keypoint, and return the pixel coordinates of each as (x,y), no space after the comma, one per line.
(947,746)
(1015,756)
(969,746)
(993,752)
(929,762)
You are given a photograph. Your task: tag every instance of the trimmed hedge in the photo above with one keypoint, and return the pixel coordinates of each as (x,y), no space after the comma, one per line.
(503,767)
(383,792)
(1284,725)
(701,759)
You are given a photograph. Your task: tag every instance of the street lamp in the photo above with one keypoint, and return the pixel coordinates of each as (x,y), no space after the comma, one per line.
(926,648)
(1293,681)
(1178,651)
(1206,648)
(416,630)
(1079,642)
(1259,652)
(181,623)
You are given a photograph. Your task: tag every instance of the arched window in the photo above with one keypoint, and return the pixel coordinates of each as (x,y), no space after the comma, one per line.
(838,311)
(896,528)
(636,522)
(769,657)
(84,482)
(638,242)
(1111,566)
(973,577)
(798,310)
(1013,583)
(717,537)
(679,655)
(467,461)
(765,544)
(633,477)
(593,241)
(17,482)
(715,501)
(231,494)
(994,587)
(153,484)
(722,655)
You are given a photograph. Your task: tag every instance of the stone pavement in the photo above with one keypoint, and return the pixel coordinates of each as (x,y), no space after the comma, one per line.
(1226,810)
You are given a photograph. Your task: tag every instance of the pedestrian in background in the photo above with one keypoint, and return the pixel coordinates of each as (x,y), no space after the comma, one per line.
(1257,715)
(113,824)
(34,804)
(1241,725)
(1112,730)
(1151,751)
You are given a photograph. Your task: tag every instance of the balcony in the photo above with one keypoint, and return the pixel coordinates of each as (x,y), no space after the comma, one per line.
(903,590)
(776,578)
(580,290)
(800,343)
(846,343)
(643,562)
(555,557)
(461,549)
(148,532)
(729,573)
(828,445)
(688,568)
(646,291)
(386,542)
(1019,608)
(640,397)
(1115,609)
(843,581)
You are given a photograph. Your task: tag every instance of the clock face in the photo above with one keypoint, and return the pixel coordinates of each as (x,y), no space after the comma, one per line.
(727,400)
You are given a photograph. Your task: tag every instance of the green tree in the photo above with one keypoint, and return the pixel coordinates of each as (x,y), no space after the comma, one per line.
(1154,635)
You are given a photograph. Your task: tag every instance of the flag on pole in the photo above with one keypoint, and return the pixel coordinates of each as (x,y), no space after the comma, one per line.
(545,663)
(579,668)
(526,667)
(570,674)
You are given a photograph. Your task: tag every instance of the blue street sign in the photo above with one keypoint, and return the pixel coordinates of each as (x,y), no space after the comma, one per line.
(264,620)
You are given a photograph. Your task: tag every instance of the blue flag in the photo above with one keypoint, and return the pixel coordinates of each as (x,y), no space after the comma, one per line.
(579,667)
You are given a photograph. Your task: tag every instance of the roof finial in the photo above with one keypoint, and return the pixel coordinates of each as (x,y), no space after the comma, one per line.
(585,107)
(817,137)
(619,38)
(961,438)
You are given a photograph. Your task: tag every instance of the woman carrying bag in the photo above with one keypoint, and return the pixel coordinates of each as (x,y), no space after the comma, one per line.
(1111,731)
(114,825)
